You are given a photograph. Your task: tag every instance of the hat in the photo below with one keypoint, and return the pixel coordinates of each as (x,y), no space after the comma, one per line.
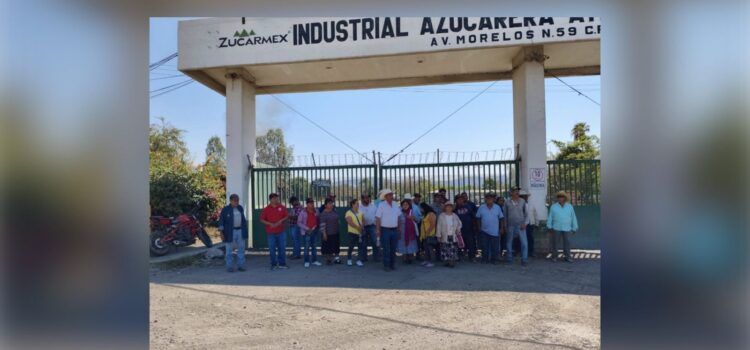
(490,194)
(516,188)
(561,194)
(408,196)
(331,195)
(524,193)
(384,192)
(449,203)
(272,195)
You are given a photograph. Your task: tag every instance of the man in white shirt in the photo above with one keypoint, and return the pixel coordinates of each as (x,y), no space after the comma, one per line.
(531,222)
(386,227)
(367,207)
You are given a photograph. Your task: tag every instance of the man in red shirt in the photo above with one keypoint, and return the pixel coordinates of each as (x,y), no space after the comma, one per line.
(273,216)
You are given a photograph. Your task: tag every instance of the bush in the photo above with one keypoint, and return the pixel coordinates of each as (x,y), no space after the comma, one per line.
(177,192)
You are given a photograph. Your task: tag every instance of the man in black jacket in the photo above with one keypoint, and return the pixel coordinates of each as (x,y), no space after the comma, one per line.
(233,227)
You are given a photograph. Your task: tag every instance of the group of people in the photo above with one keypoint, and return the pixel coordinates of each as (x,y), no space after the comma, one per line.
(443,231)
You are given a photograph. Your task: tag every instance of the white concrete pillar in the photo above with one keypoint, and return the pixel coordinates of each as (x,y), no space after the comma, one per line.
(529,124)
(240,137)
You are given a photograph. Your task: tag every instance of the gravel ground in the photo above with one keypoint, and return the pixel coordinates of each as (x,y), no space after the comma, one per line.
(473,306)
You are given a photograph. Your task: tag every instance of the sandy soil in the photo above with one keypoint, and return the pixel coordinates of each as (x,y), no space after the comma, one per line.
(473,306)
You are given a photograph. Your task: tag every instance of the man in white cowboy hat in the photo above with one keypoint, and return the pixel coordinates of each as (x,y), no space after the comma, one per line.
(386,227)
(561,221)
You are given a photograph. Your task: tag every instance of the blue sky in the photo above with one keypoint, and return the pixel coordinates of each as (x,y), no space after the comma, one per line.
(384,120)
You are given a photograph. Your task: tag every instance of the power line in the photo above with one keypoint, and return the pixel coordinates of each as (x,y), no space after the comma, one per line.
(171,88)
(316,124)
(168,77)
(443,120)
(574,89)
(156,64)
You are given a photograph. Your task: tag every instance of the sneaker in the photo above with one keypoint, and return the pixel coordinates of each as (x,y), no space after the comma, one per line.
(317,263)
(307,264)
(360,264)
(273,267)
(349,262)
(241,269)
(554,259)
(524,263)
(283,267)
(424,263)
(230,269)
(429,264)
(568,260)
(337,260)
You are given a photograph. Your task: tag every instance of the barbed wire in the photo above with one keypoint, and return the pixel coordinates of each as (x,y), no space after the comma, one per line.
(407,158)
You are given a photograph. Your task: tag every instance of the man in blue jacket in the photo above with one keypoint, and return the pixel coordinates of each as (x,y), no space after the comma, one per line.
(233,227)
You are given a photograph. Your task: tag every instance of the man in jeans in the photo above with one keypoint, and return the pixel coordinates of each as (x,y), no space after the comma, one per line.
(367,207)
(273,216)
(386,227)
(294,229)
(233,227)
(561,221)
(516,218)
(489,215)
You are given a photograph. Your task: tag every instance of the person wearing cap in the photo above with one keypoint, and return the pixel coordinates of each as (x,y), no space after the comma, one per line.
(234,232)
(407,227)
(489,215)
(561,221)
(386,227)
(273,216)
(516,217)
(530,224)
(448,230)
(293,228)
(368,208)
(308,224)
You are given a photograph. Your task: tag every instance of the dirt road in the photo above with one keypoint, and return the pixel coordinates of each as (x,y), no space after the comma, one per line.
(545,305)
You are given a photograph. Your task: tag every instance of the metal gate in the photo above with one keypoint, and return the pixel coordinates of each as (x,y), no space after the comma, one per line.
(351,181)
(581,180)
(474,178)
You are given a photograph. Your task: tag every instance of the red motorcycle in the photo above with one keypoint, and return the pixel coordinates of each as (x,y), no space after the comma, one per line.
(179,231)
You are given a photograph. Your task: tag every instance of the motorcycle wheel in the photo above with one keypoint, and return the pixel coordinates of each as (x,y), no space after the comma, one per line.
(156,246)
(203,236)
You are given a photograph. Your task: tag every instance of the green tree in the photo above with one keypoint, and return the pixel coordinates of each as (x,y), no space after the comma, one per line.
(581,180)
(176,186)
(215,152)
(273,150)
(583,146)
